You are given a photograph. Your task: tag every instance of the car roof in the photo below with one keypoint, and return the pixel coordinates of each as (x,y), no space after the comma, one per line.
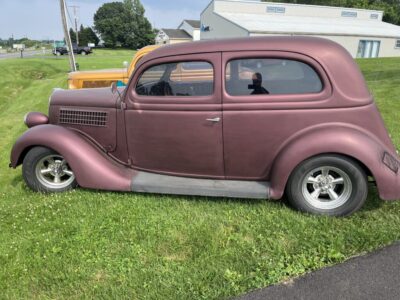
(306,45)
(336,60)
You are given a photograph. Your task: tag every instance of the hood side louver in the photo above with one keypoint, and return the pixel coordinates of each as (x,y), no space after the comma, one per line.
(83,117)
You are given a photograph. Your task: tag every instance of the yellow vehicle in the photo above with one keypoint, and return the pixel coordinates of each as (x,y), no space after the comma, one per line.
(104,78)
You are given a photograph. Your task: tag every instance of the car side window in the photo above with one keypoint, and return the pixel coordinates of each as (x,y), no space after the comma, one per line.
(181,79)
(270,76)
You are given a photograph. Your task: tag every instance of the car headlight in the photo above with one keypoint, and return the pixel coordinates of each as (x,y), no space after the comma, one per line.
(35,118)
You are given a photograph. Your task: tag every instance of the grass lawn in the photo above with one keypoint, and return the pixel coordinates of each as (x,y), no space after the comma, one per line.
(88,244)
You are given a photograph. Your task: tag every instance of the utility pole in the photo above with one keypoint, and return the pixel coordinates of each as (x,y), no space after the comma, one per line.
(75,8)
(72,61)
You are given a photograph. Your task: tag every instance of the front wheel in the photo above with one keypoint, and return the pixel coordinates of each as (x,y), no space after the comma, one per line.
(46,171)
(329,185)
(83,53)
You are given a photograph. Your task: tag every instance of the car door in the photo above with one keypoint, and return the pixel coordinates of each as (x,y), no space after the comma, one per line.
(174,116)
(268,96)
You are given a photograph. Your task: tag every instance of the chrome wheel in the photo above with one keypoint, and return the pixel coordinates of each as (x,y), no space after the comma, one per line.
(54,172)
(327,188)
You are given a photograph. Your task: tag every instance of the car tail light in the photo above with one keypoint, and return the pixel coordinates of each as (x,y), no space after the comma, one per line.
(391,162)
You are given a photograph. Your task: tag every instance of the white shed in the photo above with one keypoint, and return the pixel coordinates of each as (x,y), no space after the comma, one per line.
(192,27)
(172,36)
(188,31)
(362,32)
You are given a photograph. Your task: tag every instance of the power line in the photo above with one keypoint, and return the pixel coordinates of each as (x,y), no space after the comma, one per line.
(75,8)
(69,15)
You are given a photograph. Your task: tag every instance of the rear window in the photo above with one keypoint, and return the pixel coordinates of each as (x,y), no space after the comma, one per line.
(271,76)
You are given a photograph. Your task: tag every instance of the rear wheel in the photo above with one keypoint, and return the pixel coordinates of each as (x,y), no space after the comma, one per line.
(83,53)
(47,171)
(329,185)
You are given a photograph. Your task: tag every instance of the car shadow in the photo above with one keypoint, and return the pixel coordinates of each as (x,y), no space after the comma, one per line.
(17,180)
(373,201)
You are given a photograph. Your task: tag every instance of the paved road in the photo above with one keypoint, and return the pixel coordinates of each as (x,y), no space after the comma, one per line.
(26,54)
(374,276)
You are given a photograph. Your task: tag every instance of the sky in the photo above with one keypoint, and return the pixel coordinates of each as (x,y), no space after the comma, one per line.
(40,19)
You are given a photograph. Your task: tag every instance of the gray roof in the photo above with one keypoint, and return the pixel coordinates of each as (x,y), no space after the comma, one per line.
(176,33)
(256,23)
(194,23)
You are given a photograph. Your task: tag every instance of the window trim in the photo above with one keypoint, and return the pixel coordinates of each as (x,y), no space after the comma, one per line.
(180,67)
(397,44)
(372,43)
(214,59)
(326,91)
(283,59)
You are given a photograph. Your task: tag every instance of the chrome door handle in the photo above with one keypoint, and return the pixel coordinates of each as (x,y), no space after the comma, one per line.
(215,120)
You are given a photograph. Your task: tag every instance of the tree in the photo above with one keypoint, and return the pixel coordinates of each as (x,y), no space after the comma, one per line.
(390,7)
(138,28)
(91,36)
(109,23)
(72,35)
(86,36)
(124,23)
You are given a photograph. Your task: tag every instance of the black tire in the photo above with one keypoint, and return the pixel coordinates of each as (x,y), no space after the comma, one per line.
(83,53)
(38,182)
(303,182)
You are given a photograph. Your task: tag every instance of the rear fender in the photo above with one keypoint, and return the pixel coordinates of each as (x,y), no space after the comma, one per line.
(346,140)
(92,168)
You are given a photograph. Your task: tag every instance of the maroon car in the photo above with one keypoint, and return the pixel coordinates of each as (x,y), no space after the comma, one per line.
(251,118)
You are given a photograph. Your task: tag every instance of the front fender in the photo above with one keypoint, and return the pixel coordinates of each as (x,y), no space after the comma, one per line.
(92,168)
(341,139)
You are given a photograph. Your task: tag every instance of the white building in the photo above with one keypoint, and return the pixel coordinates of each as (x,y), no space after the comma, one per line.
(361,32)
(192,27)
(188,31)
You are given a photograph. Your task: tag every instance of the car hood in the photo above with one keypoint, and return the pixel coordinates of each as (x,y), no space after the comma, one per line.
(114,74)
(100,97)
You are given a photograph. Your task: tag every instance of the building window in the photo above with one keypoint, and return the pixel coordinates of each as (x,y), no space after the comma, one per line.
(276,9)
(368,49)
(179,79)
(204,28)
(397,44)
(374,16)
(270,76)
(349,14)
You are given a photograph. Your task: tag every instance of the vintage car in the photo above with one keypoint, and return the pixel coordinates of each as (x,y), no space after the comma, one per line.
(248,118)
(104,78)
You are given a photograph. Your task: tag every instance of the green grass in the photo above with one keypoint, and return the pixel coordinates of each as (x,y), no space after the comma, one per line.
(88,244)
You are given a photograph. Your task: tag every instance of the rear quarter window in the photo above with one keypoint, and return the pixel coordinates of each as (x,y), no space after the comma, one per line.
(271,76)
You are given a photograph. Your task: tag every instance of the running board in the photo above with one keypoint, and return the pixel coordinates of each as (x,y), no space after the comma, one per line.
(145,182)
